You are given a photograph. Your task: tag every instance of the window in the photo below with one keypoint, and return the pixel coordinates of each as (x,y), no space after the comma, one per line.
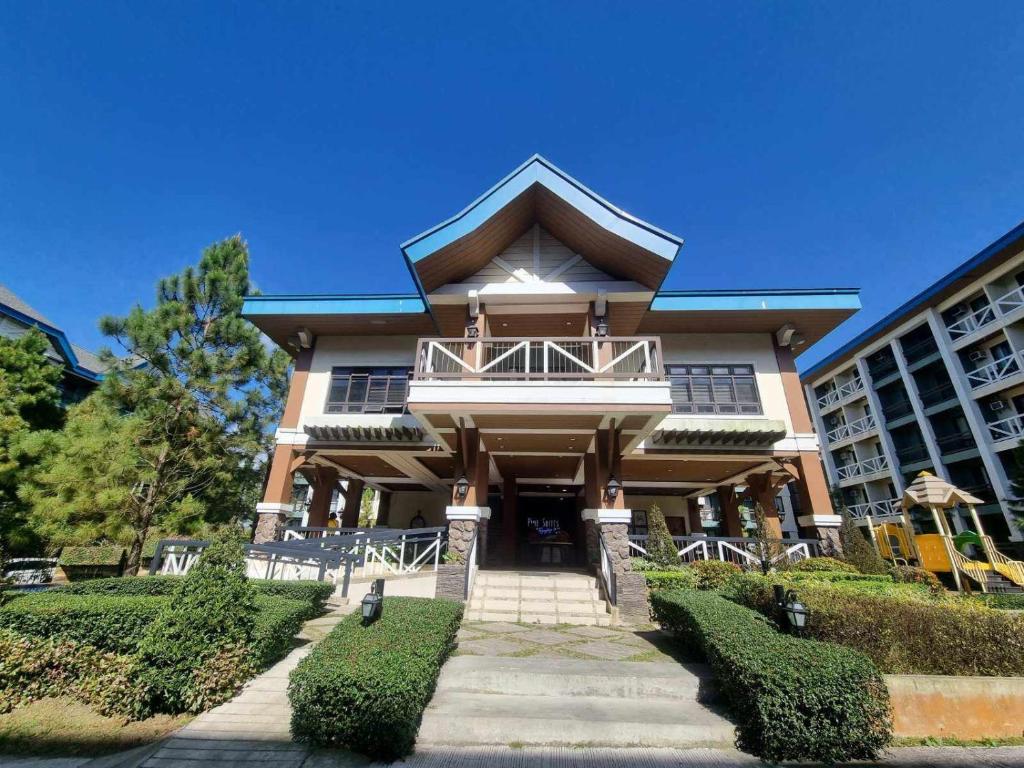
(368,390)
(725,389)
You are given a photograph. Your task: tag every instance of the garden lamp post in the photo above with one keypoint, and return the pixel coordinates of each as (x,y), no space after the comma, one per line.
(796,613)
(373,602)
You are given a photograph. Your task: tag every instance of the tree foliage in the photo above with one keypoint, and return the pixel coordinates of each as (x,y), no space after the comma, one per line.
(180,424)
(857,550)
(661,550)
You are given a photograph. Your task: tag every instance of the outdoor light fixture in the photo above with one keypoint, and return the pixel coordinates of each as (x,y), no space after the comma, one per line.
(612,488)
(602,326)
(461,487)
(795,611)
(373,602)
(472,331)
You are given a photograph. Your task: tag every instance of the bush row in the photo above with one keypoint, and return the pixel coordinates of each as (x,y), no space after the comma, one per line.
(33,668)
(1004,602)
(365,687)
(793,699)
(315,593)
(278,621)
(903,632)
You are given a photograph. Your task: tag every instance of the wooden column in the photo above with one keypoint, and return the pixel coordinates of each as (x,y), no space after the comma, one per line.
(693,522)
(353,501)
(608,464)
(730,509)
(763,491)
(323,481)
(384,508)
(509,520)
(277,494)
(297,389)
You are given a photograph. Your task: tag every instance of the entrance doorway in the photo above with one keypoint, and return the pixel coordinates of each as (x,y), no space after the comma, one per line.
(549,532)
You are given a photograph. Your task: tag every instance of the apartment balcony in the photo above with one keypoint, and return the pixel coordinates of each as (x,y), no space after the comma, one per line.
(842,392)
(853,430)
(938,394)
(996,371)
(958,441)
(1010,301)
(970,323)
(879,369)
(897,410)
(920,350)
(862,469)
(912,454)
(884,508)
(1011,428)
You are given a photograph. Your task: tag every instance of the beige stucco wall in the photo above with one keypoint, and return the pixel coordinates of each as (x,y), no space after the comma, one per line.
(333,351)
(736,348)
(405,505)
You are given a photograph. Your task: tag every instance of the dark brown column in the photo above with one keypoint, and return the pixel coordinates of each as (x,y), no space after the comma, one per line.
(323,481)
(798,412)
(384,508)
(730,510)
(297,389)
(608,464)
(763,491)
(473,463)
(509,520)
(353,501)
(277,494)
(693,517)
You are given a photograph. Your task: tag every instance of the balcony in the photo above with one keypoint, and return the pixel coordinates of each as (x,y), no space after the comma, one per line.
(561,359)
(911,454)
(919,349)
(879,369)
(970,323)
(958,441)
(1011,428)
(884,508)
(1010,301)
(897,409)
(854,429)
(836,394)
(997,370)
(870,466)
(938,394)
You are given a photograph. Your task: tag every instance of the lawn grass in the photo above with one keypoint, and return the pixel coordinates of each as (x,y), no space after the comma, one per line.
(67,728)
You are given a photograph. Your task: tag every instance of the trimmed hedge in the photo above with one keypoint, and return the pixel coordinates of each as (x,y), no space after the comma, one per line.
(277,623)
(1013,601)
(34,668)
(712,574)
(682,579)
(793,699)
(836,576)
(107,622)
(365,687)
(313,593)
(903,632)
(108,555)
(818,564)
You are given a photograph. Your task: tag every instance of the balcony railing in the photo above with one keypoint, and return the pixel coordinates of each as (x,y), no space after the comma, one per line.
(898,409)
(861,468)
(853,429)
(1010,301)
(912,453)
(960,441)
(879,369)
(884,508)
(1005,429)
(938,394)
(969,323)
(536,359)
(843,391)
(995,371)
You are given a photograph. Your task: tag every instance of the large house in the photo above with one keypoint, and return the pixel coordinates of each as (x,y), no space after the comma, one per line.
(540,392)
(936,385)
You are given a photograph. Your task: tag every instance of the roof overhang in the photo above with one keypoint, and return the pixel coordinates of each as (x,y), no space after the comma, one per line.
(60,341)
(281,317)
(620,244)
(811,312)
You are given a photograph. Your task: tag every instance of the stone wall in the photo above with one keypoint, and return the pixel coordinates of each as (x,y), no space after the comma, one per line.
(267,526)
(451,581)
(460,538)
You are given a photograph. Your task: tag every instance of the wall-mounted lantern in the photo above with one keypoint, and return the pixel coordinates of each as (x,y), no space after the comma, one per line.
(461,487)
(612,488)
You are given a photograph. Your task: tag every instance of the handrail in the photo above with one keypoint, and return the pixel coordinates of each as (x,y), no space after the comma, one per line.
(607,571)
(861,468)
(1011,569)
(968,567)
(471,565)
(1010,301)
(1004,429)
(995,371)
(855,428)
(883,508)
(730,548)
(971,322)
(841,392)
(576,358)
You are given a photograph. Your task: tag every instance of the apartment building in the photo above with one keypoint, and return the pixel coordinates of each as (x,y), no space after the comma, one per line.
(936,385)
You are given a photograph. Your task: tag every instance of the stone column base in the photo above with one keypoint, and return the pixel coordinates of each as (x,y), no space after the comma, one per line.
(270,518)
(631,597)
(451,581)
(825,528)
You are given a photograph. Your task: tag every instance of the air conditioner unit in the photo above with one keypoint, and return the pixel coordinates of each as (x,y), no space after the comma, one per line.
(996,405)
(977,355)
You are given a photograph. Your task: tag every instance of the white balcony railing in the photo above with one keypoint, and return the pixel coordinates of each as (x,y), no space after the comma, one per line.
(995,371)
(852,387)
(1005,429)
(884,508)
(969,323)
(512,359)
(853,429)
(861,468)
(1010,301)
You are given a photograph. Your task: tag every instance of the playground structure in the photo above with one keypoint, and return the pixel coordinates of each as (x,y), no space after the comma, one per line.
(939,552)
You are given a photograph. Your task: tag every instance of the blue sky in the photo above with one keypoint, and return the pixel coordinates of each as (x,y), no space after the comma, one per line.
(873,145)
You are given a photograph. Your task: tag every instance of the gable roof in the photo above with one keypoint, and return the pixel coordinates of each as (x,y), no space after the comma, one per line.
(539,192)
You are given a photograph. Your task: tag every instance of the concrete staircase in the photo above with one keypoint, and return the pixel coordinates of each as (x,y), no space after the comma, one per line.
(538,597)
(484,700)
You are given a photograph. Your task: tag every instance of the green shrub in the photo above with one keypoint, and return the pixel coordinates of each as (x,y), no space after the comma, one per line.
(105,555)
(107,622)
(365,687)
(857,550)
(903,633)
(642,564)
(278,620)
(210,617)
(661,550)
(713,574)
(681,579)
(836,577)
(909,574)
(815,564)
(313,593)
(793,699)
(34,668)
(1004,602)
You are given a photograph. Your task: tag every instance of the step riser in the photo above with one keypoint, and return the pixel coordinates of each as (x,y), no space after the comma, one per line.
(524,683)
(537,732)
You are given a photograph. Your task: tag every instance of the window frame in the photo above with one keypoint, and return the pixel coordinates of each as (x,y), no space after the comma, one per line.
(742,408)
(348,406)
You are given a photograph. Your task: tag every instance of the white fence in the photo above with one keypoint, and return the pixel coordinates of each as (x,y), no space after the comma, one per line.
(746,553)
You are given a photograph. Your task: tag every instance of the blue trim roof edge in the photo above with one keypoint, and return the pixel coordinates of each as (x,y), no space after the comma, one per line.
(344,304)
(918,300)
(57,335)
(769,299)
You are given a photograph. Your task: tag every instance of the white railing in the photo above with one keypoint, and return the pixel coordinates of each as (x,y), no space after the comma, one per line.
(744,552)
(688,550)
(178,559)
(29,571)
(853,429)
(861,468)
(852,387)
(471,565)
(969,323)
(1004,429)
(607,572)
(995,371)
(884,508)
(1010,301)
(410,553)
(577,358)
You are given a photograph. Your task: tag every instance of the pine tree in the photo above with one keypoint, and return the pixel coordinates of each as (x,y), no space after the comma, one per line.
(857,550)
(661,550)
(194,397)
